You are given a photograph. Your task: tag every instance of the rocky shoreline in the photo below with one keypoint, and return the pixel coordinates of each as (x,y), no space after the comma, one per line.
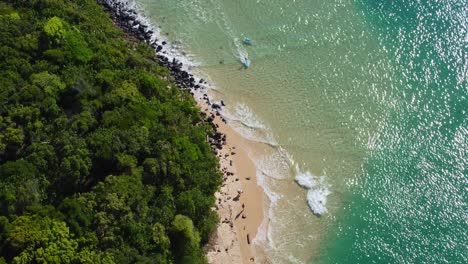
(127,19)
(232,241)
(239,194)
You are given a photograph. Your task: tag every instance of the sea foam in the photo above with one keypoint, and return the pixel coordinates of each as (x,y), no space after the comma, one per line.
(246,116)
(317,199)
(307,180)
(318,190)
(172,50)
(245,122)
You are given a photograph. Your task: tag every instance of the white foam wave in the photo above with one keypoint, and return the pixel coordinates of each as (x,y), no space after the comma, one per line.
(245,122)
(307,180)
(171,50)
(264,233)
(272,196)
(318,190)
(247,117)
(317,200)
(252,128)
(273,166)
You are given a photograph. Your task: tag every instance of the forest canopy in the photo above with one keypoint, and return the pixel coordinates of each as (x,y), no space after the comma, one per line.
(102,158)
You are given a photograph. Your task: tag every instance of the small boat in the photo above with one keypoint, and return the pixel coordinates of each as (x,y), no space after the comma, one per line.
(247,41)
(245,62)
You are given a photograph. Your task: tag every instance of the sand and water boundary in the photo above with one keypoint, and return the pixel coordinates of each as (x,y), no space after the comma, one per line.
(241,202)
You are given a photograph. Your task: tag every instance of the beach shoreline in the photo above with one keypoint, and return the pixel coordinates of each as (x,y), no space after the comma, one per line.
(240,202)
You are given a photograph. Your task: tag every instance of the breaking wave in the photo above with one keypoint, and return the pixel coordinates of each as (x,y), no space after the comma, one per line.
(318,190)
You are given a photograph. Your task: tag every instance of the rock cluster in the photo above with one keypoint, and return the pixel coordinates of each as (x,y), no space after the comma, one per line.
(127,19)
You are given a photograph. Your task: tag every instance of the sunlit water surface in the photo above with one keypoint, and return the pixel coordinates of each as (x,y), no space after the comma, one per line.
(363,100)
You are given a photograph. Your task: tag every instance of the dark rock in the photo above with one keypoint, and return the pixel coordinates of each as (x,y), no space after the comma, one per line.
(124,16)
(127,19)
(215,106)
(217,135)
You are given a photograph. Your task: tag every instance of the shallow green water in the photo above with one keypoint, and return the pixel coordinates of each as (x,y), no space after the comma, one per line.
(370,94)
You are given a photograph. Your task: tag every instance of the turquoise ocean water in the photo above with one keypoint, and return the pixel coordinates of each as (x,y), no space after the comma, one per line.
(363,101)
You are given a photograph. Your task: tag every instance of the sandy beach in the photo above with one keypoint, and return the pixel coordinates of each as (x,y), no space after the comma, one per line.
(239,201)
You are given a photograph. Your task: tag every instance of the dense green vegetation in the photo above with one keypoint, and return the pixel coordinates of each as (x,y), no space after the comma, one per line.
(102,159)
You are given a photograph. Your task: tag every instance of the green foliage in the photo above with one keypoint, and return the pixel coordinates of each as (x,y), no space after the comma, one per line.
(19,186)
(186,240)
(100,162)
(126,163)
(54,29)
(7,13)
(37,239)
(41,240)
(50,84)
(160,237)
(61,34)
(77,46)
(183,227)
(76,217)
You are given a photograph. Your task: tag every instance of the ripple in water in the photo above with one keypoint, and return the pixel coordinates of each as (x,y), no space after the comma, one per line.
(409,205)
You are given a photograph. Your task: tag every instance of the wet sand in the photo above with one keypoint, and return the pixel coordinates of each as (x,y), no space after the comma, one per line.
(240,199)
(239,202)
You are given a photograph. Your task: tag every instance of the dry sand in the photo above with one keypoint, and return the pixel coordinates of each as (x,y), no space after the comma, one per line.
(239,202)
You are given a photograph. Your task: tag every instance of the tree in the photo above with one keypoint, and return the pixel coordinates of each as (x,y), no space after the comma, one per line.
(41,240)
(19,187)
(54,28)
(49,83)
(102,158)
(76,45)
(186,241)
